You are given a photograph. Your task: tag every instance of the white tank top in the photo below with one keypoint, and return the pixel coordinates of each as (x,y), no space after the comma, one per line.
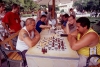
(21,45)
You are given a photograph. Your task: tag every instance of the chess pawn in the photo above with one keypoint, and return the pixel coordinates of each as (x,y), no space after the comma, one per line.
(43,50)
(59,46)
(53,44)
(41,44)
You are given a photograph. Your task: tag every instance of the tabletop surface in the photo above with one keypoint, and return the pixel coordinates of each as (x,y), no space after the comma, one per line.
(52,45)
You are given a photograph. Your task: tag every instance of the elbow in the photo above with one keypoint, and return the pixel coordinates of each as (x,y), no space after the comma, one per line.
(74,48)
(30,46)
(38,37)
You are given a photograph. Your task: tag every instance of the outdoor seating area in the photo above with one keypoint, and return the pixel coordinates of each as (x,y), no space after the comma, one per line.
(50,33)
(10,54)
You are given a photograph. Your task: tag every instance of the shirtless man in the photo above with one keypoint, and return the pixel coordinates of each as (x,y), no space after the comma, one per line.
(28,37)
(86,43)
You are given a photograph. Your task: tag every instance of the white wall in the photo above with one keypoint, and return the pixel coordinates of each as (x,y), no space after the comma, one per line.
(66,6)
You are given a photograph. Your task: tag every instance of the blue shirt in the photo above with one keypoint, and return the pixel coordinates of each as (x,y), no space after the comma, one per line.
(38,26)
(64,23)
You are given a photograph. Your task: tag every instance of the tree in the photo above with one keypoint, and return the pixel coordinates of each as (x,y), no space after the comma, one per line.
(28,5)
(87,5)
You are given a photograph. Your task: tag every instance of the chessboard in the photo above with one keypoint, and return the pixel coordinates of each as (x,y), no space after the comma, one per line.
(51,44)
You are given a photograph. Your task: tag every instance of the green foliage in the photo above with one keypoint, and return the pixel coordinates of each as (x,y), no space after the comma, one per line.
(87,4)
(28,5)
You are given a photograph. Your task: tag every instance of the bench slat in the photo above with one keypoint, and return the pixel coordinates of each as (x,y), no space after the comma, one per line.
(14,56)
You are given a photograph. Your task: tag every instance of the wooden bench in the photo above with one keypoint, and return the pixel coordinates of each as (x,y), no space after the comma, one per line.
(11,54)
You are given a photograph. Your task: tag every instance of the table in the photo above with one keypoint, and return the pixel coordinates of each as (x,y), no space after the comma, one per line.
(53,58)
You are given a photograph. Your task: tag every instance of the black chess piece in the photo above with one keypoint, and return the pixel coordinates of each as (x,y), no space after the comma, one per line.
(59,46)
(62,44)
(53,43)
(43,50)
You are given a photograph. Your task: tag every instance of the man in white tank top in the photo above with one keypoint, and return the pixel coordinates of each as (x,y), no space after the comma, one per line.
(28,37)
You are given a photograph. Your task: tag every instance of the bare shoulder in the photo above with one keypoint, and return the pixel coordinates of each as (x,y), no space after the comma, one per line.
(23,34)
(91,36)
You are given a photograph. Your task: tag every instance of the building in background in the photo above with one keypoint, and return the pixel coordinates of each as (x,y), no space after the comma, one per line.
(65,7)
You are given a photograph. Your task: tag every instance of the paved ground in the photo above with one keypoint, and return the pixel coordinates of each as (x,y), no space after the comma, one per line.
(13,64)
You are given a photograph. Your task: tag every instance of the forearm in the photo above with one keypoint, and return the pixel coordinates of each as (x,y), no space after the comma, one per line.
(45,26)
(72,41)
(67,29)
(4,25)
(35,40)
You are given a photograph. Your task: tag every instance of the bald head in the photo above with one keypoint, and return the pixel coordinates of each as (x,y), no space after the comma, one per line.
(29,21)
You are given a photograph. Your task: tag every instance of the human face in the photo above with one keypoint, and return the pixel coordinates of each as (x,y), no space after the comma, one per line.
(32,25)
(44,19)
(80,29)
(64,18)
(71,20)
(17,9)
(2,8)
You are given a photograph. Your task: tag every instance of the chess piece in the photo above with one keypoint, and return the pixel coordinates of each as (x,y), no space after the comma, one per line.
(59,46)
(62,44)
(53,43)
(45,50)
(58,40)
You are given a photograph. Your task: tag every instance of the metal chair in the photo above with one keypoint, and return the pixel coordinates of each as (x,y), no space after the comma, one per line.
(88,60)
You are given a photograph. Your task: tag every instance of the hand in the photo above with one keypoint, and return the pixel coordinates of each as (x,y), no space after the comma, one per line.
(69,37)
(68,22)
(49,26)
(11,30)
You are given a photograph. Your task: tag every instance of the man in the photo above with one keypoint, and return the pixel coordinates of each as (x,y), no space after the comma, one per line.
(71,25)
(28,37)
(87,42)
(41,24)
(65,19)
(2,30)
(11,20)
(38,15)
(71,11)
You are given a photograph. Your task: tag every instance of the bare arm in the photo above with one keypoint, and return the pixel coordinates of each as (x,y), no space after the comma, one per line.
(67,28)
(86,40)
(30,42)
(62,26)
(45,26)
(4,25)
(8,30)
